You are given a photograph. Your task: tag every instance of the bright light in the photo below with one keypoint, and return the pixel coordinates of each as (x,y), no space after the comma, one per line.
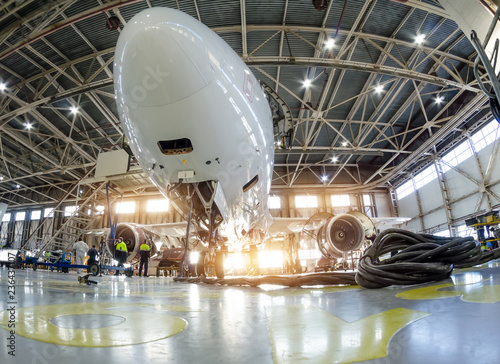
(234,262)
(193,257)
(1,178)
(278,143)
(307,83)
(334,159)
(271,259)
(81,191)
(330,43)
(439,99)
(18,186)
(3,87)
(28,126)
(160,205)
(125,207)
(324,178)
(73,109)
(420,38)
(379,89)
(344,144)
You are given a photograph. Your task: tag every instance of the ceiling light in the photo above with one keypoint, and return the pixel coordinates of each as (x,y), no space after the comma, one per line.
(324,178)
(379,89)
(344,144)
(81,191)
(420,38)
(439,99)
(1,178)
(28,126)
(73,109)
(335,159)
(330,43)
(3,86)
(18,186)
(307,83)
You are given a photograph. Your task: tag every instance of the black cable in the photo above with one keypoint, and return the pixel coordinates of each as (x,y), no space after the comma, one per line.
(417,258)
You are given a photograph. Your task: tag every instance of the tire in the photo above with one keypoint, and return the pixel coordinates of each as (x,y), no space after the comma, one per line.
(129,272)
(219,264)
(94,269)
(65,269)
(34,266)
(200,266)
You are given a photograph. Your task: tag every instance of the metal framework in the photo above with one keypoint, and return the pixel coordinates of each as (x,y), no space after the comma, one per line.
(58,55)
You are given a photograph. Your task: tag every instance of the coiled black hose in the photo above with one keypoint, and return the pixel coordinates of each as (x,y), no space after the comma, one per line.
(417,258)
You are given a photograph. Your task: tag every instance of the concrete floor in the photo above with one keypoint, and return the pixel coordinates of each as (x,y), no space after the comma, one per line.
(149,320)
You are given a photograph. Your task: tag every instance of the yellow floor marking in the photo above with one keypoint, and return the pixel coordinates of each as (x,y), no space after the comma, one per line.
(485,294)
(138,327)
(301,333)
(433,292)
(217,295)
(430,293)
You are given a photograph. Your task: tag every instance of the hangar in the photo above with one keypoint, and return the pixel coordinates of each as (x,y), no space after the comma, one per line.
(377,106)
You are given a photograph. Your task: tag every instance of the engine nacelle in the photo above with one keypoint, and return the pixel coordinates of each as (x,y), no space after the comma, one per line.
(133,235)
(337,235)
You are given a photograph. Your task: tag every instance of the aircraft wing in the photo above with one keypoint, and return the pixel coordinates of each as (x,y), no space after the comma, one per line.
(291,225)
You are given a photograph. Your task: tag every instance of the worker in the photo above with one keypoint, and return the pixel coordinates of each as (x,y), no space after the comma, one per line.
(92,253)
(121,253)
(80,249)
(145,253)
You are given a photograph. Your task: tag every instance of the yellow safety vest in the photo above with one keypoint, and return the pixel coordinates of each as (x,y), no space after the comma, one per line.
(121,246)
(145,247)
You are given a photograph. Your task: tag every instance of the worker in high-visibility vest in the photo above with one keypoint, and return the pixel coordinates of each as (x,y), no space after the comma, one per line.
(145,253)
(121,253)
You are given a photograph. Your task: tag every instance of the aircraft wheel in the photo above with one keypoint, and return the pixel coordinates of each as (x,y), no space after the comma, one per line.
(94,269)
(219,264)
(65,269)
(129,272)
(35,266)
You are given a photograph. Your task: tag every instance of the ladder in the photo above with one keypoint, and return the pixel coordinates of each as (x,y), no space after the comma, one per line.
(75,225)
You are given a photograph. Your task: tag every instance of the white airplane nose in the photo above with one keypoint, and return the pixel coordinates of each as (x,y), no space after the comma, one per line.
(160,61)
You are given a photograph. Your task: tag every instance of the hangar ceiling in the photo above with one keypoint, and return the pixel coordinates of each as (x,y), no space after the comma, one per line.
(368,119)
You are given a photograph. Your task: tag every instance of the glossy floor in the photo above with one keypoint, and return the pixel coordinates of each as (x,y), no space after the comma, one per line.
(141,320)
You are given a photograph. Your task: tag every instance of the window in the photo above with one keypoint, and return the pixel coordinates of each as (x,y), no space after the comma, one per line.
(274,202)
(405,189)
(456,156)
(305,202)
(159,205)
(6,217)
(341,200)
(99,210)
(486,135)
(464,231)
(36,214)
(367,200)
(427,175)
(127,207)
(48,212)
(20,216)
(444,233)
(70,210)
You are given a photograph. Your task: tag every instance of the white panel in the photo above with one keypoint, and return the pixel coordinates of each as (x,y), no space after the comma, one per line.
(465,207)
(484,158)
(430,196)
(383,204)
(434,219)
(3,208)
(459,185)
(408,206)
(112,163)
(413,225)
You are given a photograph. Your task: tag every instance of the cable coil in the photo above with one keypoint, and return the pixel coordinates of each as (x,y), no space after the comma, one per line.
(417,258)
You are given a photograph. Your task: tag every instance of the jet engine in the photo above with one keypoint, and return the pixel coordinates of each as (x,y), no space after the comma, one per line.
(133,235)
(338,235)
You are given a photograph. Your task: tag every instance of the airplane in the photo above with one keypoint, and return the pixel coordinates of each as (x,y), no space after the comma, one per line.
(203,129)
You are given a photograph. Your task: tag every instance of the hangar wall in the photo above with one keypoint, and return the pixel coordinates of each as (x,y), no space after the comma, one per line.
(470,188)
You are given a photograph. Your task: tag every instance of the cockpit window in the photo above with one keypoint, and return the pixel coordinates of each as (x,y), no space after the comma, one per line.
(175,146)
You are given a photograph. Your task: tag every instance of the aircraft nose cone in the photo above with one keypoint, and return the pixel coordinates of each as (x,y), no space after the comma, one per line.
(159,61)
